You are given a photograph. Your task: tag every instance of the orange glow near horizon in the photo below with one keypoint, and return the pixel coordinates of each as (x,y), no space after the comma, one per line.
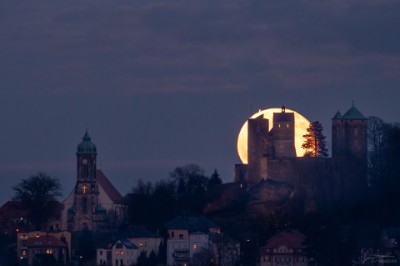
(301,125)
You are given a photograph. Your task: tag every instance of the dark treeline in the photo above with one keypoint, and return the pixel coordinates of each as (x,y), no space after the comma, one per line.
(151,205)
(337,232)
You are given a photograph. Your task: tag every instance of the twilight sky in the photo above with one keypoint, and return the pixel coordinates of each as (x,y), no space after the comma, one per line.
(160,84)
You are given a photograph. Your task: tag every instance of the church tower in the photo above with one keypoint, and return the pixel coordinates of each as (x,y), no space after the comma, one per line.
(86,212)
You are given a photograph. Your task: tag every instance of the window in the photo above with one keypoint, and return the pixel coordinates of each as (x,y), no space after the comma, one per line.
(180,236)
(116,262)
(172,234)
(84,205)
(101,253)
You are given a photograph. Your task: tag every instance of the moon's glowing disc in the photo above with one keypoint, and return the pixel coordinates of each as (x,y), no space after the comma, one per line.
(300,128)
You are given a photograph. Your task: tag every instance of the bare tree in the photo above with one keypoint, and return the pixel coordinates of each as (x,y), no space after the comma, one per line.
(226,251)
(39,193)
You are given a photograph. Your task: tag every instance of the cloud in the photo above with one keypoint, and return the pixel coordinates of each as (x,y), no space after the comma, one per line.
(196,46)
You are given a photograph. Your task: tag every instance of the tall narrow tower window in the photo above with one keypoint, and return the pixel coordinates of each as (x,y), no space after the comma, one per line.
(84,205)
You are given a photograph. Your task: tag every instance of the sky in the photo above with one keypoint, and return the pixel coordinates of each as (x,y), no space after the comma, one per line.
(160,84)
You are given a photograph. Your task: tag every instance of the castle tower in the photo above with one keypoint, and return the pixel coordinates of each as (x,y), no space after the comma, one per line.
(256,147)
(350,150)
(283,134)
(349,134)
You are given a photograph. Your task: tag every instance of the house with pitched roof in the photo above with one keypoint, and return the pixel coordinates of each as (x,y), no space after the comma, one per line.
(187,235)
(133,243)
(117,253)
(196,239)
(94,204)
(145,240)
(38,247)
(284,248)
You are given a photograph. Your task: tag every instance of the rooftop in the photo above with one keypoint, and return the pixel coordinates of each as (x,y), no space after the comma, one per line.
(191,223)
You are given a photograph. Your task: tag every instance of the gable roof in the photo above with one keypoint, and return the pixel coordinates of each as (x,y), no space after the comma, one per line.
(290,238)
(44,241)
(13,210)
(139,232)
(126,243)
(108,187)
(191,223)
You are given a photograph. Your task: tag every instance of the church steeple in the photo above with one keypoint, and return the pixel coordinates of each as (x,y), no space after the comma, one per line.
(86,146)
(86,159)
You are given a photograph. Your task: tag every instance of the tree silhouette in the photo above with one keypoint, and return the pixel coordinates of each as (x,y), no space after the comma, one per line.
(39,193)
(214,180)
(315,141)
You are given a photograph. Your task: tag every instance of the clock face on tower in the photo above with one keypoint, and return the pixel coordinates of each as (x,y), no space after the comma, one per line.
(84,161)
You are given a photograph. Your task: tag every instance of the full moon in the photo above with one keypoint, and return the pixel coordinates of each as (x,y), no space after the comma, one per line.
(300,128)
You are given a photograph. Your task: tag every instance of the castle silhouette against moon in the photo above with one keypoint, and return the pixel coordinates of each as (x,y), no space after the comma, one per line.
(271,155)
(272,167)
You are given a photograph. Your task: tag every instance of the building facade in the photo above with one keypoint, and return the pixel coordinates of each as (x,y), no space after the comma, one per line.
(284,248)
(197,240)
(94,204)
(35,245)
(119,253)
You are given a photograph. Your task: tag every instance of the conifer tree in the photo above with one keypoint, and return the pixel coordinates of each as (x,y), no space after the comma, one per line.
(214,180)
(315,141)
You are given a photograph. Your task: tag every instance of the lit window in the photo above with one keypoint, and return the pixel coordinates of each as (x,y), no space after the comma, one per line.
(194,246)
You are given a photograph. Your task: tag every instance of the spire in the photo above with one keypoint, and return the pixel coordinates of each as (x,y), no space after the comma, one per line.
(354,113)
(86,137)
(338,115)
(86,146)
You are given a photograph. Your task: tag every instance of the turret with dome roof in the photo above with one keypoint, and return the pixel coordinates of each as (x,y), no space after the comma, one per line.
(86,146)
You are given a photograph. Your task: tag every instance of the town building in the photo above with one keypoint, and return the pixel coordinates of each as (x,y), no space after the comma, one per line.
(195,239)
(94,204)
(118,253)
(127,246)
(14,218)
(145,240)
(284,248)
(35,245)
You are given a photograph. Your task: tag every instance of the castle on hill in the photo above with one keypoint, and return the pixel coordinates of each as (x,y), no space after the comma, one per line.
(272,159)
